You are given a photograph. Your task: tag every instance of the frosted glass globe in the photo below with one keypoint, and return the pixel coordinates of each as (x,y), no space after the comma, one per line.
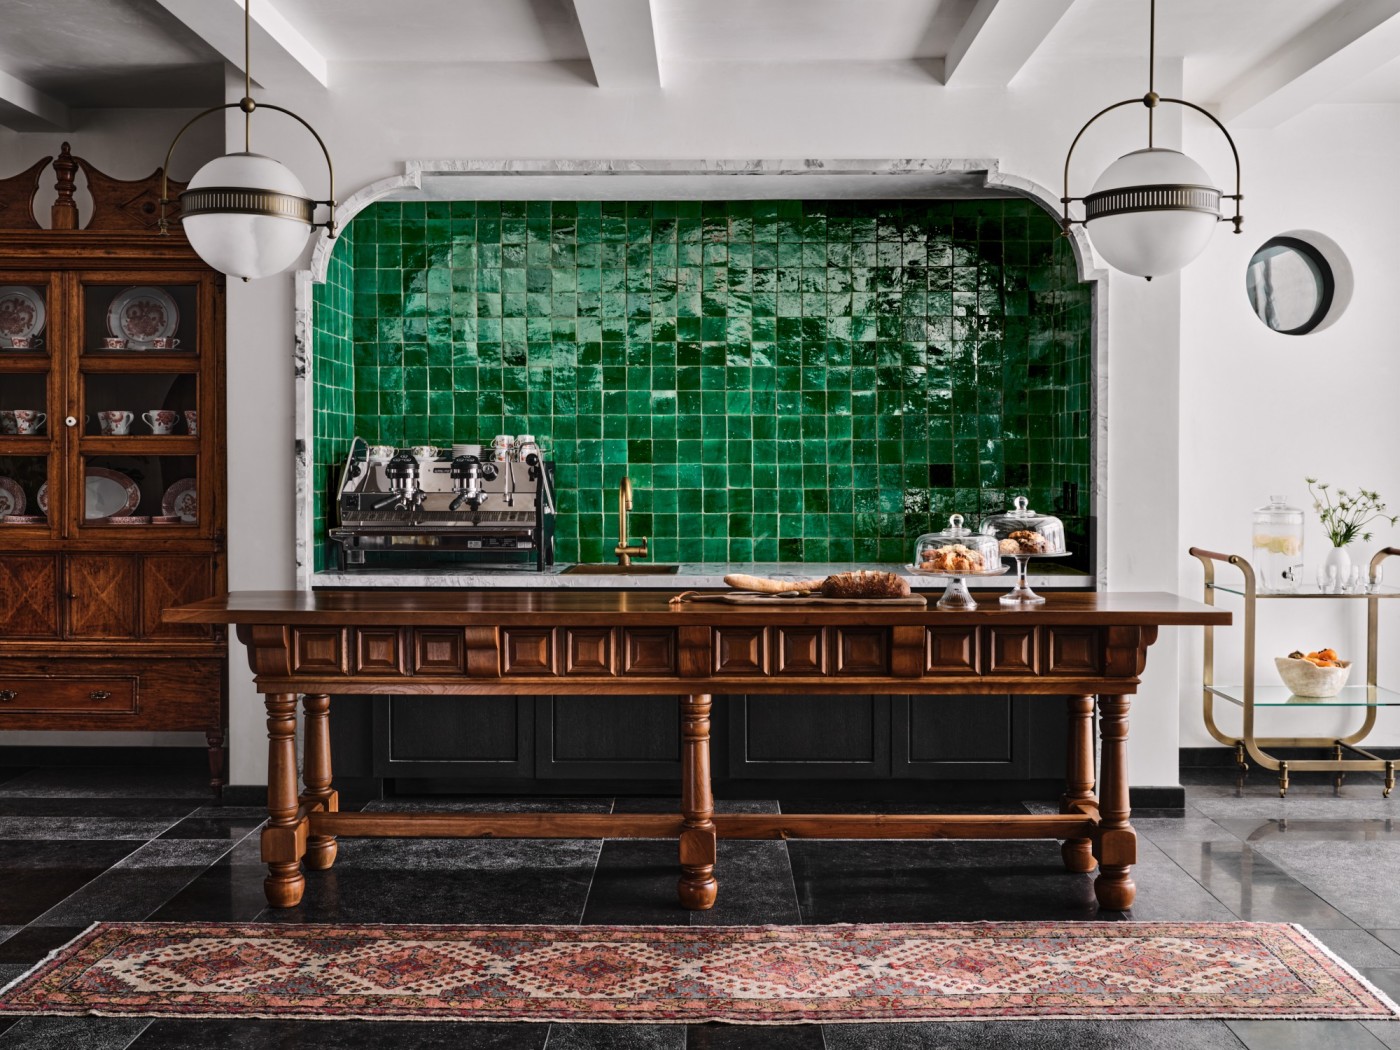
(239,244)
(1152,243)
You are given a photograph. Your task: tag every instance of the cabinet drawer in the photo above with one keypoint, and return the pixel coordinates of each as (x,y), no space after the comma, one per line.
(21,694)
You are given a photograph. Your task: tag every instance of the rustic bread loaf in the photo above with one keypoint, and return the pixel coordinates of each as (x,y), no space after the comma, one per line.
(764,585)
(865,583)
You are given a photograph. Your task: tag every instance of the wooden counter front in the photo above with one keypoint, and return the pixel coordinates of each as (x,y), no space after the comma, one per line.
(321,643)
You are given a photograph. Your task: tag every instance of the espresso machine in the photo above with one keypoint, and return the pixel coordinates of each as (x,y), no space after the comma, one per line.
(421,508)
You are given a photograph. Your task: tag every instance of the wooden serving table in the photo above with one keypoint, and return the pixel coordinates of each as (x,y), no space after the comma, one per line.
(575,642)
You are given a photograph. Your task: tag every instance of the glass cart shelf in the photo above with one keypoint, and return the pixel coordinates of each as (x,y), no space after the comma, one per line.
(1282,696)
(1365,695)
(1380,590)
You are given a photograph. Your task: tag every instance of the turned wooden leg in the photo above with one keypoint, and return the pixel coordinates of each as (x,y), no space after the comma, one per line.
(284,838)
(316,774)
(1079,778)
(215,739)
(697,885)
(1116,842)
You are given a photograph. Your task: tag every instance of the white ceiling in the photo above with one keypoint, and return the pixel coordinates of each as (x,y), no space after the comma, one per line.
(1264,59)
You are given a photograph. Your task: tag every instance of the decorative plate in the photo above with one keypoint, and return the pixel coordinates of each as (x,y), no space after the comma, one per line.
(141,314)
(109,492)
(181,499)
(11,497)
(42,497)
(21,311)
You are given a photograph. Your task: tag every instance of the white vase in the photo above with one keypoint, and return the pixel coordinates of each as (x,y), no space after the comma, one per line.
(1340,559)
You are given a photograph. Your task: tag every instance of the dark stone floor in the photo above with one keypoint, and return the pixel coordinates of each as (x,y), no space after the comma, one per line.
(80,845)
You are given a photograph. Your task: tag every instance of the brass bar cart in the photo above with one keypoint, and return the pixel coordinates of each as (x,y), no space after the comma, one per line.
(1250,696)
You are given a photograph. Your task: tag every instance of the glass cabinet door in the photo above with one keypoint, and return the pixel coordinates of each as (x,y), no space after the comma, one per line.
(139,394)
(30,392)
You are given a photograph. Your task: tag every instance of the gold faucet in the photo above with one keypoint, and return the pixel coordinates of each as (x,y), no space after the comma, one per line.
(625,553)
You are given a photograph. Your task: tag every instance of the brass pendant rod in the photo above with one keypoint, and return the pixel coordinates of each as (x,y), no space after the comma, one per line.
(248,75)
(1151,67)
(1237,196)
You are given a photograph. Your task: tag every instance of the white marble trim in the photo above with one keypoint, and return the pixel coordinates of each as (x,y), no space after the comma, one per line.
(409,185)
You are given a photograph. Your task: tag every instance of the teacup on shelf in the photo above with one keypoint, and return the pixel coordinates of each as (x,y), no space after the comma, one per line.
(113,342)
(115,422)
(161,420)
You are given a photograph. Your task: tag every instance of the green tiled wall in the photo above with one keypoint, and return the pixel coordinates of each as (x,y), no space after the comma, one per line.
(780,379)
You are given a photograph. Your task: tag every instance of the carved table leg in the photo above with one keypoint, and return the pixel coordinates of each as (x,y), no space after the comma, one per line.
(215,739)
(1079,778)
(316,772)
(1116,840)
(283,840)
(697,885)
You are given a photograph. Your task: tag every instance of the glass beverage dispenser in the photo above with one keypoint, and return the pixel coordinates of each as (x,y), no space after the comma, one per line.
(1278,546)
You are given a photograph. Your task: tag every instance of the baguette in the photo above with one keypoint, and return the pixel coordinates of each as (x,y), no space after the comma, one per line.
(764,585)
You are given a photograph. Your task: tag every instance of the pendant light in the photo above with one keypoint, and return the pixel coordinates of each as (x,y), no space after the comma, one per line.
(245,214)
(1153,210)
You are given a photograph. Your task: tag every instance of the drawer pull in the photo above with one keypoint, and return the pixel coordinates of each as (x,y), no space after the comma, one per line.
(8,694)
(99,694)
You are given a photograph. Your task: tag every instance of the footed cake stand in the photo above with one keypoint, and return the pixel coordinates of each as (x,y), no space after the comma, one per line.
(1022,594)
(956,595)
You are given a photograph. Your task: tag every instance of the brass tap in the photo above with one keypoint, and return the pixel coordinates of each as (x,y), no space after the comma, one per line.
(624,553)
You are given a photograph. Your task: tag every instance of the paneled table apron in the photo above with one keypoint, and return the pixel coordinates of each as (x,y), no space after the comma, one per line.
(319,643)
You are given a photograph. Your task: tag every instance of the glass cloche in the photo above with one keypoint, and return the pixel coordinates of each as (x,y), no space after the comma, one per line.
(954,553)
(1023,534)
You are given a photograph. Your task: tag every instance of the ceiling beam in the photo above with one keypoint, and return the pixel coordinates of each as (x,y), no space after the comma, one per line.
(25,108)
(621,42)
(1332,53)
(998,39)
(282,59)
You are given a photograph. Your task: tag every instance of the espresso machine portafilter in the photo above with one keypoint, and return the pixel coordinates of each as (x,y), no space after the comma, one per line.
(468,472)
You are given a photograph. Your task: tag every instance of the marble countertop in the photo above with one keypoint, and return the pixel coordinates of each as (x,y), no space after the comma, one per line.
(689,576)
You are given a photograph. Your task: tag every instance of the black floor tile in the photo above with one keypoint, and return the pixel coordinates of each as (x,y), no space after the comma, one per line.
(1166,893)
(1358,947)
(38,875)
(1386,978)
(73,1033)
(225,892)
(138,885)
(47,829)
(32,943)
(449,880)
(1344,873)
(1388,1032)
(152,810)
(201,826)
(338,1035)
(616,1037)
(1035,1035)
(753,1037)
(874,881)
(1251,885)
(105,782)
(1304,1035)
(11,772)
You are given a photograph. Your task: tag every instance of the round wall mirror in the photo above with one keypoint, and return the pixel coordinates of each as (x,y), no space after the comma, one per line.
(1290,284)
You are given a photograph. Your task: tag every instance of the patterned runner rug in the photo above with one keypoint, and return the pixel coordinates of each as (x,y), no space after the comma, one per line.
(747,974)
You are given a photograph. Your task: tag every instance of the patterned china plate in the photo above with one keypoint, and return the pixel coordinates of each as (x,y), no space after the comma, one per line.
(21,311)
(142,314)
(42,497)
(182,499)
(109,492)
(11,497)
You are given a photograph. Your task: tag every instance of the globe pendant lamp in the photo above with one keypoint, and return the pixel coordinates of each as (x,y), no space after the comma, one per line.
(245,214)
(1153,210)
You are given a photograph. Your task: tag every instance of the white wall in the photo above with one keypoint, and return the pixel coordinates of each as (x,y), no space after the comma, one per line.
(1260,411)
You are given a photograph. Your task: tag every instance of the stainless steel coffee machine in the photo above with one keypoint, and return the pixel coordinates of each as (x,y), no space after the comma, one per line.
(425,507)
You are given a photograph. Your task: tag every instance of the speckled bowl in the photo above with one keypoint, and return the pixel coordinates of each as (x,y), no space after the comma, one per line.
(1307,679)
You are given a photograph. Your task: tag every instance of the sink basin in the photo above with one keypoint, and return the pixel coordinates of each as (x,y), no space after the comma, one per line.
(613,569)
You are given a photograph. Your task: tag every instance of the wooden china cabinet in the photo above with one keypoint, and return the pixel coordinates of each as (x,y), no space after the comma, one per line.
(114,498)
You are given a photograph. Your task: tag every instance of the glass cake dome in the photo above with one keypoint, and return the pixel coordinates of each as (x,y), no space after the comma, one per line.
(955,553)
(1023,534)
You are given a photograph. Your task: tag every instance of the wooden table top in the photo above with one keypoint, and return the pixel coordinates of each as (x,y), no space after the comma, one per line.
(653,609)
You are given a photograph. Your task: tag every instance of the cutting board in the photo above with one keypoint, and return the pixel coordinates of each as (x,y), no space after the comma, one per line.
(792,598)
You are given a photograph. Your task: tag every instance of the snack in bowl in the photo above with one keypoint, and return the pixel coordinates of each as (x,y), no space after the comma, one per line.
(1320,674)
(952,558)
